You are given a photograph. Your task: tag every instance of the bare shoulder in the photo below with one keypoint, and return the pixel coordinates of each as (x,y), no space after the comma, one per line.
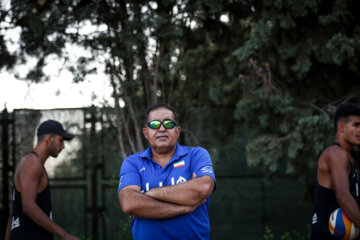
(29,161)
(333,160)
(335,155)
(29,167)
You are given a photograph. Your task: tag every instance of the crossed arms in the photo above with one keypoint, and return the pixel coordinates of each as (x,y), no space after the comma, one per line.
(168,201)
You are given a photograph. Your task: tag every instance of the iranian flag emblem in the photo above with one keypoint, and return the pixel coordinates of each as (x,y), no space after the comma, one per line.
(179,164)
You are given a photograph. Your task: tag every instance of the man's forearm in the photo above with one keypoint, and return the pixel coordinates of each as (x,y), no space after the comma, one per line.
(350,207)
(8,227)
(137,204)
(160,210)
(39,217)
(192,192)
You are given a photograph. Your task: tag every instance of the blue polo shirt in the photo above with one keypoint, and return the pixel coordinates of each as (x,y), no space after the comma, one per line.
(139,169)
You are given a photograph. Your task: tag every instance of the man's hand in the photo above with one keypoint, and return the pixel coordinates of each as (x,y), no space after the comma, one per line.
(69,237)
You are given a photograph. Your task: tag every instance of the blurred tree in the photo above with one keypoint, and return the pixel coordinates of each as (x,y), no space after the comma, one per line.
(279,68)
(301,60)
(151,51)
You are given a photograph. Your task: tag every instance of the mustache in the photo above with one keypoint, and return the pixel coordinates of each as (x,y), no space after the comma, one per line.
(163,134)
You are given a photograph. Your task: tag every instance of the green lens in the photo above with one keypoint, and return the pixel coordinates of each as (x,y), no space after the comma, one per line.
(154,124)
(169,124)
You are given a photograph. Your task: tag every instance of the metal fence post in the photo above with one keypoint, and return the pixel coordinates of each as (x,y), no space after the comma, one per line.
(5,158)
(93,165)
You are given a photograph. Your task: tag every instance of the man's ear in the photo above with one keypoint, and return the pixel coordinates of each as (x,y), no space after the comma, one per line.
(178,129)
(48,138)
(340,127)
(145,132)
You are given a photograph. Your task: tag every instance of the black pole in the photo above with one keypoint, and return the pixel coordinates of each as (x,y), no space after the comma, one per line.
(94,183)
(13,147)
(5,158)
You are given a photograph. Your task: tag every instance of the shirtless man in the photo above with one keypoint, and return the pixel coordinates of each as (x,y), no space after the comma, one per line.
(30,213)
(337,177)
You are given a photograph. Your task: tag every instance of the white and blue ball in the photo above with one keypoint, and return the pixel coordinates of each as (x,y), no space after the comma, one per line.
(341,226)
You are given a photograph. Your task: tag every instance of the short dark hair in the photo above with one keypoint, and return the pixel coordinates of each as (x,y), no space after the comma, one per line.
(160,105)
(344,111)
(42,137)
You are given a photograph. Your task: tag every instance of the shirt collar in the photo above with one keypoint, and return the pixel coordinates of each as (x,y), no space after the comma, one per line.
(179,152)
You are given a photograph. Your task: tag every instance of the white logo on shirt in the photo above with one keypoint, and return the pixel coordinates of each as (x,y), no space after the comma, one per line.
(120,181)
(314,219)
(15,223)
(180,180)
(207,169)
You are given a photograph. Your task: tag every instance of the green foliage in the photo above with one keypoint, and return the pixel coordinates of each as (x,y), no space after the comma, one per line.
(268,235)
(283,132)
(269,77)
(341,48)
(278,68)
(291,82)
(122,229)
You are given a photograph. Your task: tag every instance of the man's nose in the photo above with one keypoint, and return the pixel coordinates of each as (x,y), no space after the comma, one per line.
(162,128)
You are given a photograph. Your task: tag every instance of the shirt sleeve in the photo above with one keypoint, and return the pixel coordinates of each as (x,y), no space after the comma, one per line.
(202,164)
(129,173)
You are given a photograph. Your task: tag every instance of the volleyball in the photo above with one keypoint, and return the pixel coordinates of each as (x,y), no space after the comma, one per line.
(341,226)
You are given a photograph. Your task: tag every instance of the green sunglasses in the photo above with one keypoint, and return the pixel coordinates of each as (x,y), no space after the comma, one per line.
(156,124)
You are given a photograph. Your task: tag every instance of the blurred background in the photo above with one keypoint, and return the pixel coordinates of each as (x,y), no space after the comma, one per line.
(255,82)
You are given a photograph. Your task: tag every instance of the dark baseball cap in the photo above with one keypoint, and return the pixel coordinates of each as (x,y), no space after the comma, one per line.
(53,127)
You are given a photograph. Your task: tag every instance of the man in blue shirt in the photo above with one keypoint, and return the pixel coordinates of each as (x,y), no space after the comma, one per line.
(166,188)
